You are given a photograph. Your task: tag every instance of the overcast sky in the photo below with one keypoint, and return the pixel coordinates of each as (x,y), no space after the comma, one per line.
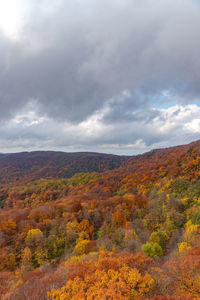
(114,76)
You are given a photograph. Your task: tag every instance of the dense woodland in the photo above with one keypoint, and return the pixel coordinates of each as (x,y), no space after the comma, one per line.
(27,166)
(132,232)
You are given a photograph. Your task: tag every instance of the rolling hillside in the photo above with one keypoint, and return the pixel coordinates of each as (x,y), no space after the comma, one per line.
(27,166)
(132,232)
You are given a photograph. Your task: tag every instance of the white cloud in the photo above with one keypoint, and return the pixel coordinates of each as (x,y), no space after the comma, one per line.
(171,126)
(13,16)
(193,126)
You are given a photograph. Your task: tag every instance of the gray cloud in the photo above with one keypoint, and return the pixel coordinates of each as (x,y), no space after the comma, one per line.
(157,128)
(74,59)
(78,56)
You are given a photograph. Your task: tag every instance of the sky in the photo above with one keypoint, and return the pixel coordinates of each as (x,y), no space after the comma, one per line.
(117,76)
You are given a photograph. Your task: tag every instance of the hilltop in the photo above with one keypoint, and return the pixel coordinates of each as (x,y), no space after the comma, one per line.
(27,166)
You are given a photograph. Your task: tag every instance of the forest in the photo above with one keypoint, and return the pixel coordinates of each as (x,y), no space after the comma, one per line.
(100,227)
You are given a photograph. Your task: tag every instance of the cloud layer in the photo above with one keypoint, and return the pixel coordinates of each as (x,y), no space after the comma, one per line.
(112,76)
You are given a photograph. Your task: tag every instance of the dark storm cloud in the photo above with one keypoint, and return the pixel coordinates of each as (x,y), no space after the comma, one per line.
(75,57)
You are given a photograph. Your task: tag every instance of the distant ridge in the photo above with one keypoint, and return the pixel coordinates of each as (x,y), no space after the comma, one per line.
(26,166)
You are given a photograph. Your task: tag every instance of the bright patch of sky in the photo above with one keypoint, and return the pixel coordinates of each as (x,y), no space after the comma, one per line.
(12,17)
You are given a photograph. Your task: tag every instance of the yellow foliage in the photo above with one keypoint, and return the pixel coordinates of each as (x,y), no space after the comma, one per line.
(40,256)
(34,234)
(72,226)
(82,236)
(157,184)
(86,227)
(130,234)
(166,186)
(126,283)
(192,228)
(129,197)
(168,197)
(188,223)
(82,247)
(73,260)
(190,232)
(183,247)
(184,201)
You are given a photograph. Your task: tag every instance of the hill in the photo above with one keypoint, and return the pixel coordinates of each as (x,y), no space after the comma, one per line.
(27,166)
(128,233)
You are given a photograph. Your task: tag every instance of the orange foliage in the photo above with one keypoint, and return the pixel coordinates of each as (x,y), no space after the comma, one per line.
(118,218)
(86,227)
(109,277)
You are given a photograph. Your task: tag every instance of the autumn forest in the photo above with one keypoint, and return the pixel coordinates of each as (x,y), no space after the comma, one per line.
(96,226)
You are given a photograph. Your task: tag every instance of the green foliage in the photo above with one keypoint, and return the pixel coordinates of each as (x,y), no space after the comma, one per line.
(195,190)
(99,234)
(196,218)
(3,197)
(152,249)
(160,237)
(179,185)
(190,150)
(154,238)
(164,237)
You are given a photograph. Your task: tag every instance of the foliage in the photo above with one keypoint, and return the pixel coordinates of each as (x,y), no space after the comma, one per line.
(104,279)
(131,232)
(82,247)
(152,249)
